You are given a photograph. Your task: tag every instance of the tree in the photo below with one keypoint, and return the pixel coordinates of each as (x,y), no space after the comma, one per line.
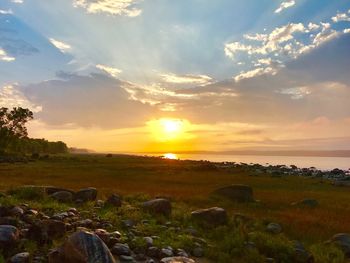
(12,125)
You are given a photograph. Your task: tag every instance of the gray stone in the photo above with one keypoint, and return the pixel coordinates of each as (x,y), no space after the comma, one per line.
(166,252)
(274,228)
(121,249)
(214,216)
(343,241)
(63,196)
(82,247)
(158,206)
(125,258)
(236,192)
(16,211)
(86,195)
(9,235)
(23,257)
(149,241)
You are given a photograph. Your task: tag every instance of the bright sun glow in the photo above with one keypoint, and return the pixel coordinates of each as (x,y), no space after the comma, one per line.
(171,126)
(167,129)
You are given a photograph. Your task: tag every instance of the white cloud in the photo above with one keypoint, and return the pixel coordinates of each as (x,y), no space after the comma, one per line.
(296,93)
(112,7)
(11,97)
(63,47)
(256,37)
(313,26)
(280,45)
(17,1)
(284,5)
(5,57)
(255,73)
(341,17)
(186,79)
(114,72)
(325,36)
(6,12)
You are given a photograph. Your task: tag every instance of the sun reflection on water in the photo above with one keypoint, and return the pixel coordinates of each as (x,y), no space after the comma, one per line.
(170,156)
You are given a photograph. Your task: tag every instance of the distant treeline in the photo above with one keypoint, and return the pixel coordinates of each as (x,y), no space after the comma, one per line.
(28,145)
(14,136)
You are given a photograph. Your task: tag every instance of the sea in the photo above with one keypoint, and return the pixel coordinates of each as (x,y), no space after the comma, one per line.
(321,163)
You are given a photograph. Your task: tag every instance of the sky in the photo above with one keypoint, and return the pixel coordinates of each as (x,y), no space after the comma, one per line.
(186,75)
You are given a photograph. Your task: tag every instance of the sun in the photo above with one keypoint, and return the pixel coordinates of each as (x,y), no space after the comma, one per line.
(168,129)
(172,126)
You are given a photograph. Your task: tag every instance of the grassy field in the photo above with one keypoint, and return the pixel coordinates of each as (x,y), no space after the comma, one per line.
(191,183)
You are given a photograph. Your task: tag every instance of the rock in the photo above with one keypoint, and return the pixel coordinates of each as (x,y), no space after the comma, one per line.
(166,252)
(16,211)
(23,257)
(274,228)
(214,216)
(158,206)
(236,192)
(49,190)
(177,260)
(148,241)
(103,234)
(198,252)
(124,258)
(63,196)
(82,247)
(114,200)
(300,254)
(121,249)
(9,235)
(87,194)
(343,241)
(181,253)
(311,203)
(85,223)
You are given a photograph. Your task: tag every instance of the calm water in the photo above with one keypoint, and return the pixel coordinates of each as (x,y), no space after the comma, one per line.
(322,163)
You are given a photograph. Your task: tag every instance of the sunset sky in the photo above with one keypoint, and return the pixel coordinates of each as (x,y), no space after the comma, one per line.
(180,75)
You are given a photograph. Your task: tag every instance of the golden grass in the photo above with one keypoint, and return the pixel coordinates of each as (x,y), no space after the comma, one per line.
(192,183)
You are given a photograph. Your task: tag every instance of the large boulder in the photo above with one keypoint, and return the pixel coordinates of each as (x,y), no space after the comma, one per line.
(9,235)
(158,206)
(87,194)
(63,196)
(82,247)
(52,189)
(236,192)
(214,216)
(343,241)
(177,260)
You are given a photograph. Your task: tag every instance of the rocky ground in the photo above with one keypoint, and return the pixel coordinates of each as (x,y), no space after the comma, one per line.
(50,224)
